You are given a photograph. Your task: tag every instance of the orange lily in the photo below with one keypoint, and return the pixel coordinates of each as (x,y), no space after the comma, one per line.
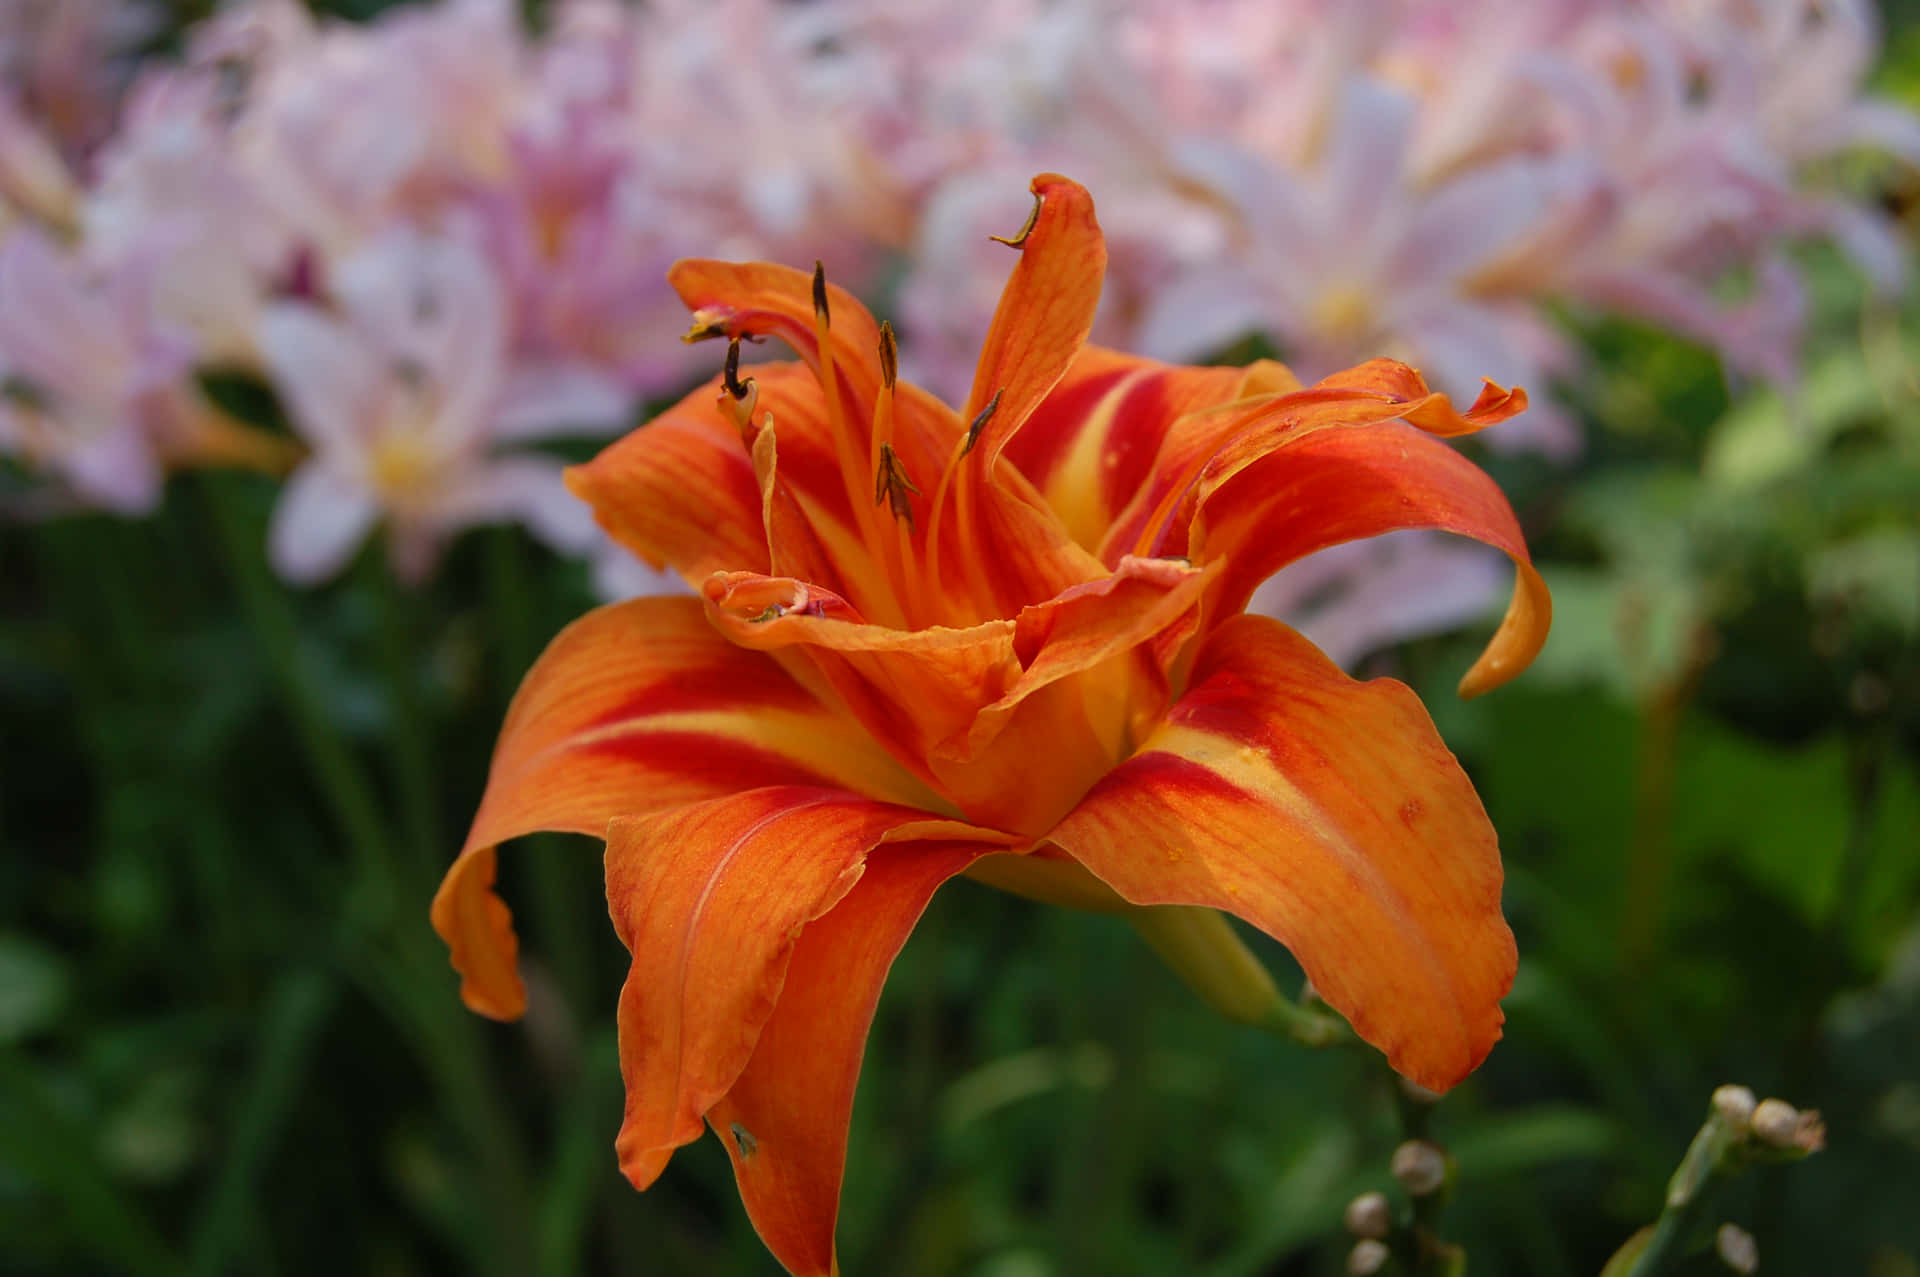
(1007,640)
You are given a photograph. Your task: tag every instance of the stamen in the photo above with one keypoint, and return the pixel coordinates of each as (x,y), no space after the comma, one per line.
(889,355)
(739,398)
(707,324)
(980,422)
(820,292)
(891,485)
(1020,238)
(730,376)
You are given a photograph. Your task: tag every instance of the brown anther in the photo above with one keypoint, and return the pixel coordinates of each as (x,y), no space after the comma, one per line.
(889,355)
(730,376)
(1020,238)
(820,293)
(706,326)
(980,422)
(891,485)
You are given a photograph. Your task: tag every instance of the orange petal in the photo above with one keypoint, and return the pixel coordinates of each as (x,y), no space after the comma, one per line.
(1045,312)
(1094,676)
(680,491)
(1156,520)
(709,899)
(784,1121)
(635,708)
(1278,493)
(1010,721)
(1090,444)
(1327,813)
(1434,413)
(911,689)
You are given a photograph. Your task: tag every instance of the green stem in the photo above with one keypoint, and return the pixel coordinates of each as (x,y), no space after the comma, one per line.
(294,1017)
(342,783)
(1692,1193)
(412,752)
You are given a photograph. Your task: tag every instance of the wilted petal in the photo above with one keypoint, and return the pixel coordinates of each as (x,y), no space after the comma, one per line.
(1328,814)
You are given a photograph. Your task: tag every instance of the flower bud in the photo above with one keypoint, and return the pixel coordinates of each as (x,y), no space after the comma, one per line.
(1735,1106)
(1736,1248)
(1367,1257)
(1420,1167)
(1775,1122)
(1785,1127)
(1369,1216)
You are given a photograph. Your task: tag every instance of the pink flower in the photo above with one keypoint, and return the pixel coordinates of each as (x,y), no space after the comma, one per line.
(93,396)
(1351,256)
(401,396)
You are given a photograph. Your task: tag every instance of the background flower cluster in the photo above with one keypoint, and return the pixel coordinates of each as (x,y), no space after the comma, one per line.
(442,236)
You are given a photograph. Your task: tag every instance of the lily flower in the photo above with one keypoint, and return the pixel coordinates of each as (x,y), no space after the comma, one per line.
(1007,641)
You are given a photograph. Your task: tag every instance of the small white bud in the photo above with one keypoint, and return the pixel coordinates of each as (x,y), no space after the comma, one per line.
(1367,1257)
(1735,1106)
(1737,1248)
(1369,1215)
(1776,1122)
(1420,1167)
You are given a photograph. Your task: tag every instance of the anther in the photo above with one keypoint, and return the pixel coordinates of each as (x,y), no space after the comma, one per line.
(820,292)
(744,1141)
(707,324)
(891,485)
(731,374)
(1020,238)
(980,422)
(889,355)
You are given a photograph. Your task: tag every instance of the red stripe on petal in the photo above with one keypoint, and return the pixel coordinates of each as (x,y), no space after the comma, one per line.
(568,759)
(1302,491)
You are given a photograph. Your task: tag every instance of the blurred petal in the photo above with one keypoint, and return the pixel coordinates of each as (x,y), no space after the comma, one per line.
(331,380)
(635,708)
(558,399)
(524,489)
(320,520)
(1329,814)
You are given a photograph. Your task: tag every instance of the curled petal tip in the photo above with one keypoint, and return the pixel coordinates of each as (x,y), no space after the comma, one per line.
(1519,639)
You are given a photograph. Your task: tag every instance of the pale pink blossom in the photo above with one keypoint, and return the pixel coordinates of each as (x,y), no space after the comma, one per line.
(94,397)
(397,394)
(1354,599)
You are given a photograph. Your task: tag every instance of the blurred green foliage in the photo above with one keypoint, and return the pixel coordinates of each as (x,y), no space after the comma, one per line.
(230,1044)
